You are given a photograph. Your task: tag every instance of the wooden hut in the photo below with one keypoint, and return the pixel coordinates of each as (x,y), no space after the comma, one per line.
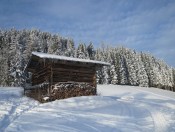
(58,77)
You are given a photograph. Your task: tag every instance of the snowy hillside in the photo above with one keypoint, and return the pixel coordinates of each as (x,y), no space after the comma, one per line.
(118,108)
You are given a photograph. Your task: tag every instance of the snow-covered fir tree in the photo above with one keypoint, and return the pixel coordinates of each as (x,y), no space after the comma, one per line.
(91,51)
(141,72)
(70,51)
(113,74)
(82,52)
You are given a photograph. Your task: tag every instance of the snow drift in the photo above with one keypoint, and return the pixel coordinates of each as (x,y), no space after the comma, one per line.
(117,108)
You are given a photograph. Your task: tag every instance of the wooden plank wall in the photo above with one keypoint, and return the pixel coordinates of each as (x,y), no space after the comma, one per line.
(76,73)
(58,72)
(41,75)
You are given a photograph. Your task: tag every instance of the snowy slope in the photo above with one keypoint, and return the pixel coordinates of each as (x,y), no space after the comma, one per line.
(118,108)
(13,105)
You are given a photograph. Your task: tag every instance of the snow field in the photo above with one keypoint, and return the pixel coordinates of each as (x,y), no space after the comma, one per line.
(118,108)
(13,105)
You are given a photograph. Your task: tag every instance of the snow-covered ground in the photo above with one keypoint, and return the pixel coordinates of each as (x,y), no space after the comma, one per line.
(117,108)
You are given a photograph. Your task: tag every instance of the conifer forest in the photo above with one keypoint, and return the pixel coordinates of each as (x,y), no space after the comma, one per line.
(128,67)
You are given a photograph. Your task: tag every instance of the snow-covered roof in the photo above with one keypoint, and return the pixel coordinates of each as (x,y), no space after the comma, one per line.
(58,57)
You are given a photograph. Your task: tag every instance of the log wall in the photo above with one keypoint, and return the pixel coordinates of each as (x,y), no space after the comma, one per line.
(65,73)
(41,75)
(58,73)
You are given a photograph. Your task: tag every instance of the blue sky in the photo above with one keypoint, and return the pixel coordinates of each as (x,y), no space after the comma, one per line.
(143,25)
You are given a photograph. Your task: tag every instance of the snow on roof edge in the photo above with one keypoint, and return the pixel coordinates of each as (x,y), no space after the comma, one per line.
(52,56)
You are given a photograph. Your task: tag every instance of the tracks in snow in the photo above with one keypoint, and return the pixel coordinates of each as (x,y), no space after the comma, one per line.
(155,110)
(16,107)
(159,121)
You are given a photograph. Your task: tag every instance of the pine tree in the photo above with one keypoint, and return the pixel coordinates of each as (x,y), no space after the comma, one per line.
(91,51)
(114,77)
(123,71)
(70,48)
(3,60)
(131,66)
(53,44)
(173,70)
(82,52)
(148,64)
(141,72)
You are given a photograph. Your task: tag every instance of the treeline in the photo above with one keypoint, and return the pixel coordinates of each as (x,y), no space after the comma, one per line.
(127,66)
(132,68)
